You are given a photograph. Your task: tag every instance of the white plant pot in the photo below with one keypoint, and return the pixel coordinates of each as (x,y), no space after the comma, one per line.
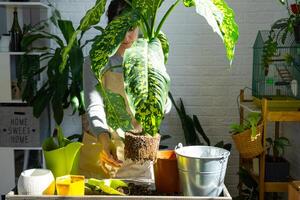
(36,182)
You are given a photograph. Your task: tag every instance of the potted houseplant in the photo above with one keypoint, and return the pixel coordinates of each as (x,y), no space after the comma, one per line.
(280,30)
(143,66)
(277,167)
(59,90)
(145,76)
(248,136)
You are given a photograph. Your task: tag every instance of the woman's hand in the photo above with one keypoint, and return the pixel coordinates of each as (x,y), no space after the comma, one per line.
(108,154)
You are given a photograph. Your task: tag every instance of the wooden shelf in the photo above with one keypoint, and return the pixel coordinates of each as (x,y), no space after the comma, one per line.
(20,53)
(22,148)
(283,116)
(276,186)
(275,110)
(24,4)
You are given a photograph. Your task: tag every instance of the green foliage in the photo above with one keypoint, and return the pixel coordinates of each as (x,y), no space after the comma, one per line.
(148,108)
(56,141)
(192,128)
(92,17)
(115,109)
(61,88)
(108,186)
(109,41)
(189,3)
(278,146)
(164,44)
(67,59)
(278,34)
(251,122)
(223,24)
(146,83)
(249,187)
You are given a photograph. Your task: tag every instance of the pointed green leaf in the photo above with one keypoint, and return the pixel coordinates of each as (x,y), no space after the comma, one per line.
(192,136)
(227,146)
(49,144)
(30,38)
(165,45)
(146,83)
(220,144)
(146,6)
(200,129)
(221,18)
(91,18)
(66,28)
(58,110)
(189,3)
(40,102)
(115,110)
(109,41)
(93,15)
(108,186)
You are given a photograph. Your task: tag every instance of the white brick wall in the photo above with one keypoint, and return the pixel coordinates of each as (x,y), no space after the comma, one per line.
(199,70)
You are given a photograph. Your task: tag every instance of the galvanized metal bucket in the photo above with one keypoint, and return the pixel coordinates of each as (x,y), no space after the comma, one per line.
(201,169)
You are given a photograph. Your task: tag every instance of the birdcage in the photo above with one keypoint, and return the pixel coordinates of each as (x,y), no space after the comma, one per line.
(279,77)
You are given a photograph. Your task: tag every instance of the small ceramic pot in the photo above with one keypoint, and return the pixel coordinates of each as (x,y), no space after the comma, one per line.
(36,182)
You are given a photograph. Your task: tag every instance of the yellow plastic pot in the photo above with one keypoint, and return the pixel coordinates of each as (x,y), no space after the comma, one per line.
(63,161)
(70,185)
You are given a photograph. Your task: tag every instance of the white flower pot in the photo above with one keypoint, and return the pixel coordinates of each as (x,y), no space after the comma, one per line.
(36,182)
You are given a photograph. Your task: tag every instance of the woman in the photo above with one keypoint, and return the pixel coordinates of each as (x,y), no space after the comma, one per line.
(102,156)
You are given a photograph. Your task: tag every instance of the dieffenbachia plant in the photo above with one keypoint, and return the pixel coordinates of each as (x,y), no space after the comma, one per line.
(145,76)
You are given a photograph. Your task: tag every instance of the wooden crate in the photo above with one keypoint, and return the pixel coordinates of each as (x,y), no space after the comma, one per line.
(11,196)
(18,126)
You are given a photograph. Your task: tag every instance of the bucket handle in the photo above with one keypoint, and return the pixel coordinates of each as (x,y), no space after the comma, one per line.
(178,146)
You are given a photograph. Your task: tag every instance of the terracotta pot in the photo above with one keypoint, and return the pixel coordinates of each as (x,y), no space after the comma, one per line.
(166,172)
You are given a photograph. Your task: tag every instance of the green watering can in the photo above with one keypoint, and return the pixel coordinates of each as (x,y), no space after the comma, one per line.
(63,161)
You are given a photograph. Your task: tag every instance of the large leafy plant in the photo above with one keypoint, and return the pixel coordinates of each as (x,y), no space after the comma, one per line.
(145,76)
(61,88)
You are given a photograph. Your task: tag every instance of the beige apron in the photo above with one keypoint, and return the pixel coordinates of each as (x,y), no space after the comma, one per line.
(89,157)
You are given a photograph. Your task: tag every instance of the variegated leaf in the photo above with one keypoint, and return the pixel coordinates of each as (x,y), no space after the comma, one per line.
(229,28)
(165,45)
(146,6)
(146,83)
(189,3)
(115,109)
(92,17)
(109,41)
(105,46)
(221,18)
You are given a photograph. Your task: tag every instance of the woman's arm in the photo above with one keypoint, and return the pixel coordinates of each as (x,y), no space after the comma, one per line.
(93,101)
